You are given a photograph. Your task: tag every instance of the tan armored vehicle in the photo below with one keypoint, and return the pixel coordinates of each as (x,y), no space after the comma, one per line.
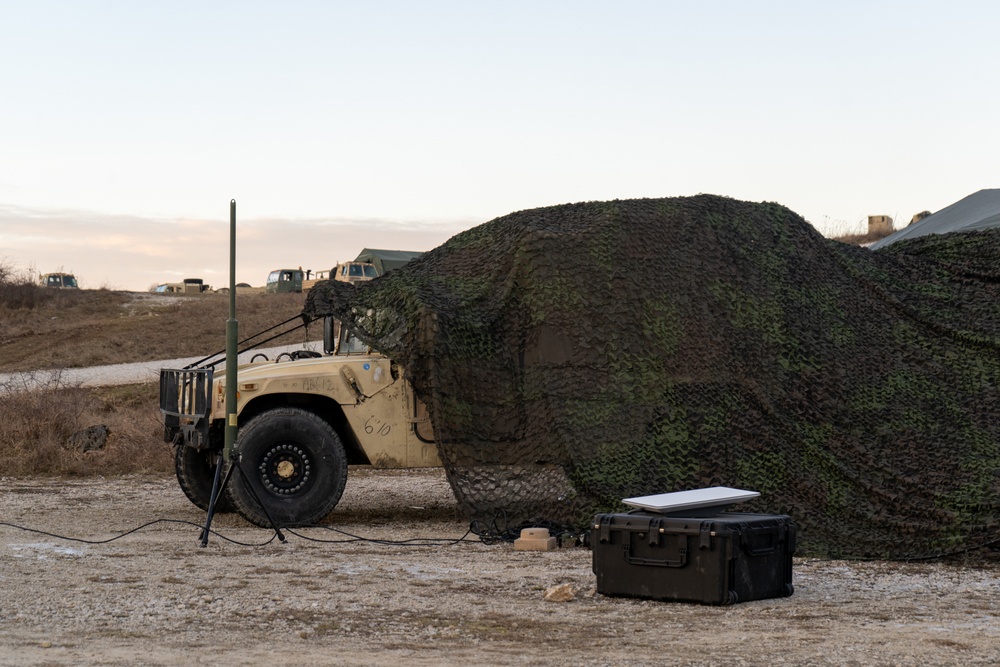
(348,272)
(59,280)
(369,264)
(354,272)
(189,286)
(303,417)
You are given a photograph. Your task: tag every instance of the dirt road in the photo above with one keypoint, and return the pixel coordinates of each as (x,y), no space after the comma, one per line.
(156,597)
(132,373)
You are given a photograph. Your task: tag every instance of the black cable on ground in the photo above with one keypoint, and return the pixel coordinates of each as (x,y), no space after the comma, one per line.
(410,542)
(414,541)
(493,532)
(135,530)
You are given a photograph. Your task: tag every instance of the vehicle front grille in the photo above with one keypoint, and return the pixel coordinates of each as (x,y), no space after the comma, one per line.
(186,393)
(186,403)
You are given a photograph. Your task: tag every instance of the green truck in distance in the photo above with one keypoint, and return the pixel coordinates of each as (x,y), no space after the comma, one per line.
(284,280)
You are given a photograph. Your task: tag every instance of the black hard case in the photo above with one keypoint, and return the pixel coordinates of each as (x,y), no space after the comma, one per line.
(720,559)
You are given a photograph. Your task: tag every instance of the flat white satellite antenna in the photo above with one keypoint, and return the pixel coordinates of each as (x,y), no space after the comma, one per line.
(696,502)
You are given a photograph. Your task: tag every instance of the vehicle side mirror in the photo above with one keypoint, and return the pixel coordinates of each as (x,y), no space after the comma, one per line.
(331,332)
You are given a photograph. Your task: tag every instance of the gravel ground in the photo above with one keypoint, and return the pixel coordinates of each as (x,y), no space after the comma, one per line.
(156,597)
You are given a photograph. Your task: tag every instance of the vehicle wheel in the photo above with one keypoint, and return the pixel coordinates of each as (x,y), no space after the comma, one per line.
(294,461)
(196,474)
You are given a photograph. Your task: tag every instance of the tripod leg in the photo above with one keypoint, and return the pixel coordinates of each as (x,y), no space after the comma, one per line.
(246,482)
(217,489)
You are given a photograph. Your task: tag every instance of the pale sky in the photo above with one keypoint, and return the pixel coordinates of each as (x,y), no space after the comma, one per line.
(126,127)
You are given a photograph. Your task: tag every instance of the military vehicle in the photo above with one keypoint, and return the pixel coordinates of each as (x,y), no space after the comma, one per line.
(303,417)
(189,286)
(284,280)
(386,260)
(59,280)
(369,264)
(354,272)
(349,272)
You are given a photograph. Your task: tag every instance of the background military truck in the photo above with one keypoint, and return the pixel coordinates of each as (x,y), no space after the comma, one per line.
(370,263)
(303,417)
(58,280)
(242,288)
(351,272)
(189,286)
(284,280)
(354,272)
(386,260)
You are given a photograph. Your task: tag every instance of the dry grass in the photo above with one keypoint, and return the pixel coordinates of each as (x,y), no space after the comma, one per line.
(863,239)
(52,329)
(35,433)
(45,329)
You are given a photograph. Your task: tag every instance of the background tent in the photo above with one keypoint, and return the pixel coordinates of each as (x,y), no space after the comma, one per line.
(980,210)
(386,260)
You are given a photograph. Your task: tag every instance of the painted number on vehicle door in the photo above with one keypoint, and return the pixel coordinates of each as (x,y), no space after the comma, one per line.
(375,426)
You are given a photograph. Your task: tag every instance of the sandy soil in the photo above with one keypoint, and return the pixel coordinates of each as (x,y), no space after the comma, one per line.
(156,597)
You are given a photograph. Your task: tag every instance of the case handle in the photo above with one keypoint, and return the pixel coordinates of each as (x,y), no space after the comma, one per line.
(680,561)
(761,540)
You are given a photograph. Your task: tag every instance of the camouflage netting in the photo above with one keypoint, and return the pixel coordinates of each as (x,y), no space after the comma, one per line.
(576,355)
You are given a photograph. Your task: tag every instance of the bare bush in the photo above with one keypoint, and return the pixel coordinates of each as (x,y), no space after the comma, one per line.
(136,444)
(18,289)
(11,275)
(863,238)
(6,270)
(23,296)
(39,423)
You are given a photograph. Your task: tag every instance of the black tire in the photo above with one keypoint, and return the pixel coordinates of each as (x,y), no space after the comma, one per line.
(294,462)
(196,474)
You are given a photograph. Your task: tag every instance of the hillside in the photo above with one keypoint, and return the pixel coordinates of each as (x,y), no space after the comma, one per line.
(52,329)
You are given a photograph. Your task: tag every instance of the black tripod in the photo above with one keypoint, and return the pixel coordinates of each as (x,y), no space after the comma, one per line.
(219,484)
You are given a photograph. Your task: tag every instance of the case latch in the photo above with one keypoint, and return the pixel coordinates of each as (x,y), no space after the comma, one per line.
(705,535)
(655,532)
(605,528)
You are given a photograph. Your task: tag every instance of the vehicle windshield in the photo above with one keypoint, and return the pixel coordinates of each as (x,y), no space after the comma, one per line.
(69,281)
(370,271)
(274,277)
(349,344)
